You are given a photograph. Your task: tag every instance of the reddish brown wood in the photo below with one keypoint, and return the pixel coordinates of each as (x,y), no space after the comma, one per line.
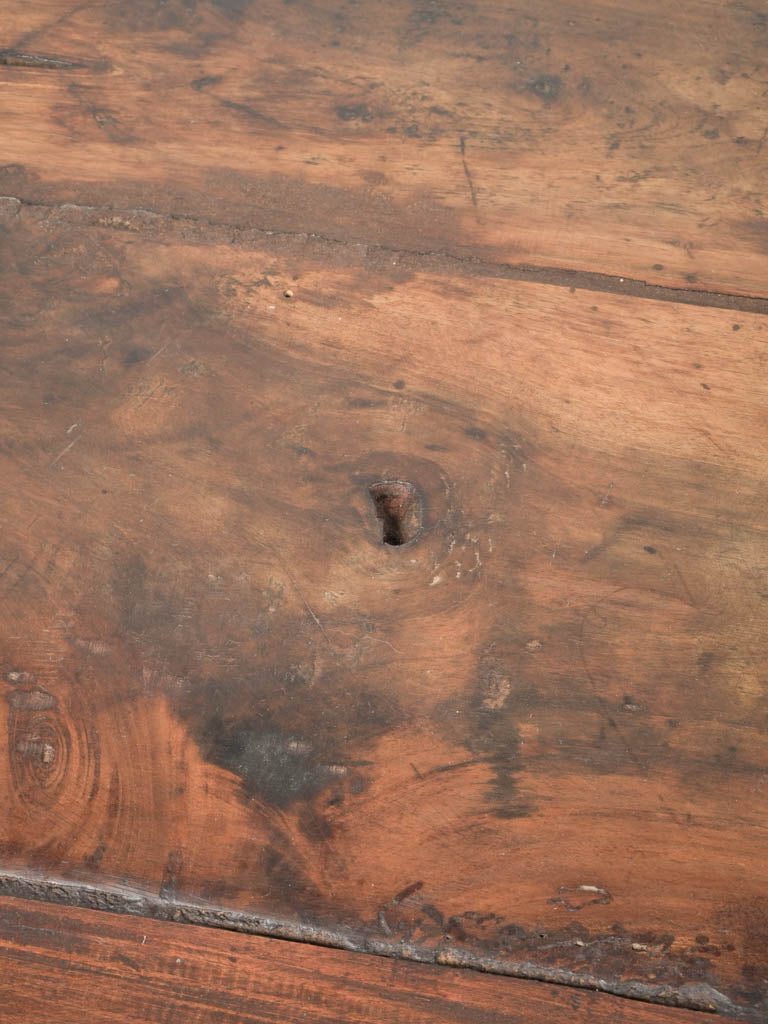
(621,138)
(534,738)
(276,287)
(73,966)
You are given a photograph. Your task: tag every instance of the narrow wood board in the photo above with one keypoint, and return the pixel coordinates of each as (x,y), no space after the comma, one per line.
(533,738)
(73,965)
(624,139)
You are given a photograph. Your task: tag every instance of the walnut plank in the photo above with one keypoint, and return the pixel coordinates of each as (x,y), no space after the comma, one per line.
(95,967)
(622,139)
(533,738)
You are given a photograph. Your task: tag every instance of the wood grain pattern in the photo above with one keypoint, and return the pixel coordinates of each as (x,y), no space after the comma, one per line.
(532,738)
(619,138)
(95,967)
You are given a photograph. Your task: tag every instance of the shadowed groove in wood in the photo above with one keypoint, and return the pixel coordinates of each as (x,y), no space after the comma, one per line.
(150,222)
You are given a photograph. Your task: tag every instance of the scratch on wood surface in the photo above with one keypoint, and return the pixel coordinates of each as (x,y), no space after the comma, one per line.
(145,398)
(683,584)
(41,29)
(380,640)
(159,352)
(463,148)
(14,59)
(64,451)
(10,565)
(602,704)
(307,605)
(712,441)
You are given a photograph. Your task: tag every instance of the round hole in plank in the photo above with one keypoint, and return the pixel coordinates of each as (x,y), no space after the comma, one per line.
(399,509)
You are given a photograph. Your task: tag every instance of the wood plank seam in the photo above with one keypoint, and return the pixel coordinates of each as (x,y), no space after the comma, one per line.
(239,235)
(690,996)
(148,971)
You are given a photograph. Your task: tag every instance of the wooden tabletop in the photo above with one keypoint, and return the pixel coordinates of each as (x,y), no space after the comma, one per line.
(383,431)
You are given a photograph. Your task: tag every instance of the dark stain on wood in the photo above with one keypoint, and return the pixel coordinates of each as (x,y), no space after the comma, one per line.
(281,769)
(546,87)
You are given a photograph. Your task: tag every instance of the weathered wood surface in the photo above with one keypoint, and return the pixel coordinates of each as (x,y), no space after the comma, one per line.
(534,737)
(625,139)
(272,290)
(72,966)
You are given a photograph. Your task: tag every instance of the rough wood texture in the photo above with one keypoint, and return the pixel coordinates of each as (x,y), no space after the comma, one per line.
(100,969)
(622,138)
(535,736)
(274,290)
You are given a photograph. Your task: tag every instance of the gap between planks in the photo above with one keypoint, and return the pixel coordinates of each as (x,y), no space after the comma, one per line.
(148,222)
(134,902)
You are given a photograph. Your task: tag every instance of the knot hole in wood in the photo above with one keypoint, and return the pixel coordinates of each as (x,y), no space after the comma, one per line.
(400,510)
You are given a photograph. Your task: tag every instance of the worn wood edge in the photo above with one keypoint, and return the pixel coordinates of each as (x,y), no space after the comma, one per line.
(177,973)
(137,903)
(150,223)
